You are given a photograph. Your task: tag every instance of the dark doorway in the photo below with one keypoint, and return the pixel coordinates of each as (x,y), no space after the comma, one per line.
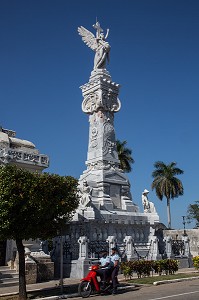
(2,253)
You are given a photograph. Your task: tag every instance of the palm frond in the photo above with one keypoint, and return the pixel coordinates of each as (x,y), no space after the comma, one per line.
(124,155)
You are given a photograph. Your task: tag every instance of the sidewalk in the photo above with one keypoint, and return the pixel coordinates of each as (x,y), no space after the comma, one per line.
(71,285)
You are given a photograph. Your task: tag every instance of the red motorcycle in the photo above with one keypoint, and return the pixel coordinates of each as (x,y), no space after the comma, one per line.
(90,284)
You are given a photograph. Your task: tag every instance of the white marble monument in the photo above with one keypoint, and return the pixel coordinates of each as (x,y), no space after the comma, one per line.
(106,212)
(104,188)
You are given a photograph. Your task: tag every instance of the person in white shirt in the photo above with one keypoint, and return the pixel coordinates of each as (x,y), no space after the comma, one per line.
(115,261)
(105,267)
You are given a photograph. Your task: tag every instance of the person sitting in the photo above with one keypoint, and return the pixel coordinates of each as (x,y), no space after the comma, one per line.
(106,267)
(115,262)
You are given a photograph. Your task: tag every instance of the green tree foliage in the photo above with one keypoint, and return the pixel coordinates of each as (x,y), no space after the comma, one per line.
(124,155)
(33,206)
(166,184)
(193,212)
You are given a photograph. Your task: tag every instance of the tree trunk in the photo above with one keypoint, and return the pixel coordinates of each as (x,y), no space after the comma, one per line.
(168,213)
(22,272)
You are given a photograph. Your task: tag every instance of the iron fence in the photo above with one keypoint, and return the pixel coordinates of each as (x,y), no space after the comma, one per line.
(95,247)
(178,247)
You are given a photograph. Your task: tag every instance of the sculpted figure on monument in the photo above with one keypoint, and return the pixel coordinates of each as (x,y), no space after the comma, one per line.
(97,43)
(85,194)
(4,156)
(148,206)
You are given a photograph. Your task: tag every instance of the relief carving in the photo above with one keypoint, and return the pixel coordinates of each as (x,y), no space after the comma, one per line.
(7,155)
(102,165)
(89,104)
(110,101)
(109,138)
(94,133)
(4,156)
(106,100)
(16,154)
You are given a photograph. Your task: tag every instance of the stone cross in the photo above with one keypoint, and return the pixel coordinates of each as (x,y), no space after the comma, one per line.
(98,29)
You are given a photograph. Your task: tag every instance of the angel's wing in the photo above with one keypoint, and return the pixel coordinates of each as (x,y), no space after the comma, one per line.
(88,38)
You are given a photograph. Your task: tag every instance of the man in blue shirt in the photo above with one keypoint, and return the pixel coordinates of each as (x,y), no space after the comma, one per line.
(105,267)
(115,261)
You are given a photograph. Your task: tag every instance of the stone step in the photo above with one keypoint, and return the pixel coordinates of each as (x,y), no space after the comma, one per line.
(4,272)
(4,268)
(8,277)
(9,283)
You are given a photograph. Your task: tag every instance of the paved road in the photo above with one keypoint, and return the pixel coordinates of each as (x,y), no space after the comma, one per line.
(186,290)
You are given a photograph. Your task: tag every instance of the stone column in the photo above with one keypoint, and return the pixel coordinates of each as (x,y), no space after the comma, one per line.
(83,247)
(111,241)
(187,250)
(186,241)
(31,267)
(83,262)
(129,247)
(154,250)
(168,246)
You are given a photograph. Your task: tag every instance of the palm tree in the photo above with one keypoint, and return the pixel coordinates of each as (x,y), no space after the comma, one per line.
(124,155)
(166,184)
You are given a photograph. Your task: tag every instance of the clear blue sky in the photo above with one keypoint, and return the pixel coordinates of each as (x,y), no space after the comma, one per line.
(155,58)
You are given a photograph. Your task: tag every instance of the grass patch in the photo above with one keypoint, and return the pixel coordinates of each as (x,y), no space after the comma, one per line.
(151,280)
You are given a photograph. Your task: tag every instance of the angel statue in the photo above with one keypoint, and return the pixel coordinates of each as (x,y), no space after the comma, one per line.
(98,44)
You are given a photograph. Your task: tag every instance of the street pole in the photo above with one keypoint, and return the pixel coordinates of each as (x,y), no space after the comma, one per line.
(61,263)
(184,222)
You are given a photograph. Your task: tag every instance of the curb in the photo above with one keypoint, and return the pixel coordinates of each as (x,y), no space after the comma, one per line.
(66,296)
(75,295)
(174,280)
(52,298)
